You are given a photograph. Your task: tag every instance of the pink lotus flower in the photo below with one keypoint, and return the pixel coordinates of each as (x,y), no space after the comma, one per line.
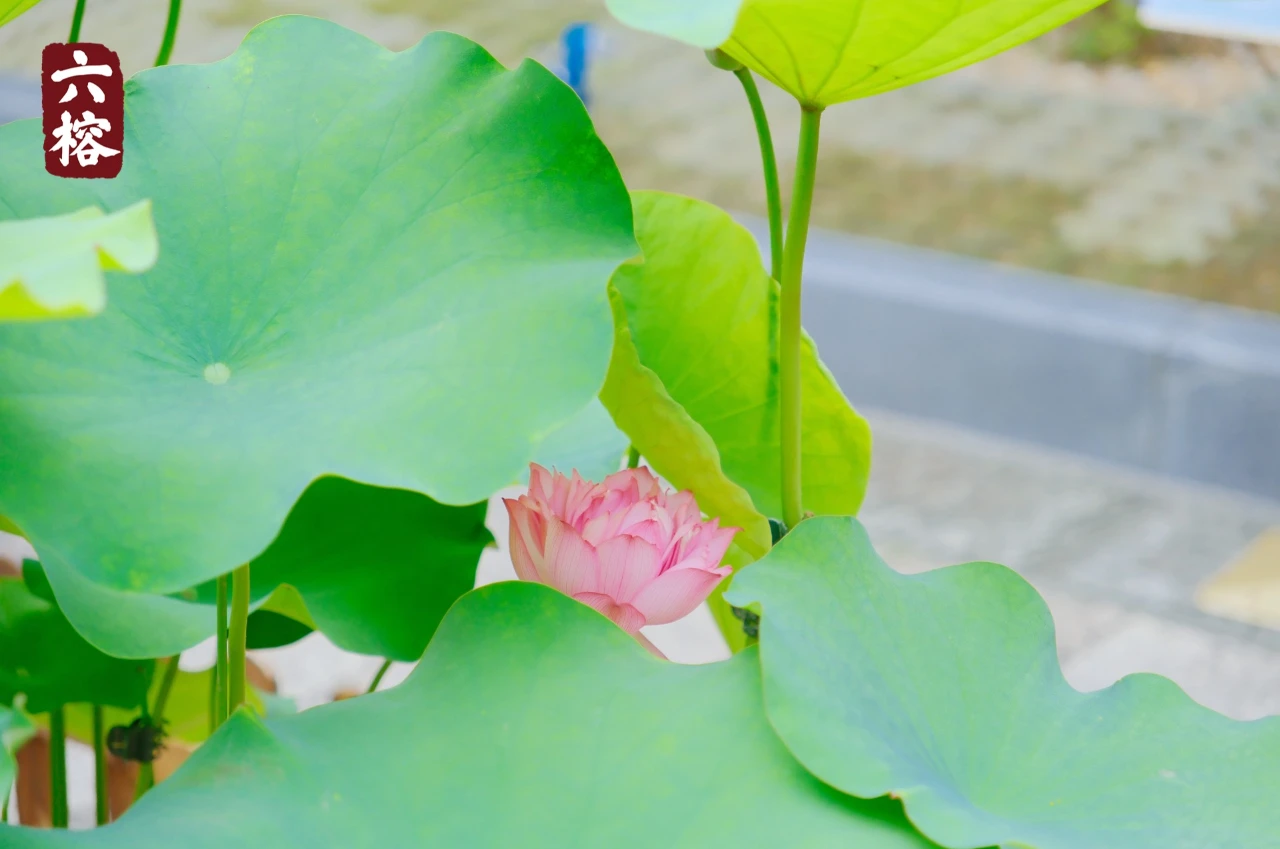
(636,553)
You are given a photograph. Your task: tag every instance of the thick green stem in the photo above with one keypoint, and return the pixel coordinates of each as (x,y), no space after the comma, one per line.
(633,457)
(58,765)
(170,33)
(100,799)
(773,193)
(238,638)
(790,335)
(377,679)
(77,18)
(220,666)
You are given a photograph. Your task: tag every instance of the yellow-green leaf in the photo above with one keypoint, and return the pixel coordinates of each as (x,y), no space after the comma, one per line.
(675,445)
(287,601)
(830,51)
(701,314)
(54,267)
(10,9)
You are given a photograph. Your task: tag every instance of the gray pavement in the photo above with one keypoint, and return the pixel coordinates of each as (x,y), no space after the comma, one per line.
(1118,555)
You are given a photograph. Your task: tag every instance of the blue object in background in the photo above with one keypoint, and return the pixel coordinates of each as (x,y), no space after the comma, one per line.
(1255,21)
(576,41)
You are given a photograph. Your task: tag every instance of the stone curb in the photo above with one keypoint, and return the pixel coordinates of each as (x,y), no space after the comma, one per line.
(1161,383)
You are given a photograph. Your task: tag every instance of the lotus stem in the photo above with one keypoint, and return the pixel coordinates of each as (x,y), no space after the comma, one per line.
(170,33)
(769,159)
(213,701)
(220,699)
(58,765)
(146,780)
(377,679)
(790,336)
(146,772)
(101,802)
(77,18)
(633,457)
(238,638)
(166,687)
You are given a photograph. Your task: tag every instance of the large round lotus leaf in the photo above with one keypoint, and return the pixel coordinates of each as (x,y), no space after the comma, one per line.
(376,569)
(589,442)
(43,657)
(944,689)
(531,721)
(390,267)
(829,51)
(704,23)
(54,267)
(701,313)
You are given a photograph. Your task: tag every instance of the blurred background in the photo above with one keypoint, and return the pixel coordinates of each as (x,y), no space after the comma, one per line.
(1107,150)
(1051,281)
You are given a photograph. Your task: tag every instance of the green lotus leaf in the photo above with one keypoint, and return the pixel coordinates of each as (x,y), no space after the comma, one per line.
(286,601)
(15,729)
(589,442)
(386,266)
(42,657)
(54,267)
(266,629)
(10,9)
(944,689)
(377,569)
(374,569)
(705,23)
(830,51)
(531,721)
(701,312)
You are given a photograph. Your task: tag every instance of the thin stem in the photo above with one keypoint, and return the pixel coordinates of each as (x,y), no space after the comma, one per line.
(213,700)
(146,780)
(770,160)
(4,805)
(146,771)
(789,340)
(238,639)
(58,765)
(633,457)
(100,766)
(77,18)
(377,679)
(220,667)
(166,686)
(170,33)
